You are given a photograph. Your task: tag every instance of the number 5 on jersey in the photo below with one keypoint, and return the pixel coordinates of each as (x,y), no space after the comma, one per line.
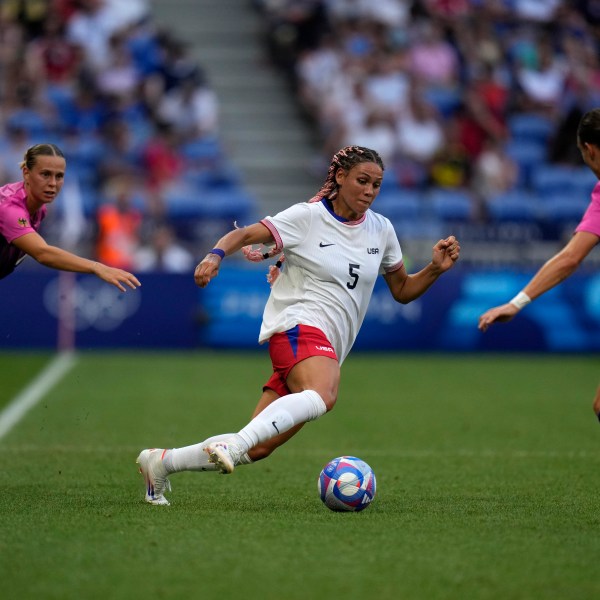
(352,268)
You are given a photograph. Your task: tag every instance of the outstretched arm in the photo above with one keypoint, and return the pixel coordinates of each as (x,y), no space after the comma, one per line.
(35,246)
(554,271)
(405,288)
(230,243)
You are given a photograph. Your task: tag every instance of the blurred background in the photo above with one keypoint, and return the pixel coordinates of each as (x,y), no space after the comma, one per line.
(179,118)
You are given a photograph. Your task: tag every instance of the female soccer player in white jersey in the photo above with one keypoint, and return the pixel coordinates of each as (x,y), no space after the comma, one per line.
(334,248)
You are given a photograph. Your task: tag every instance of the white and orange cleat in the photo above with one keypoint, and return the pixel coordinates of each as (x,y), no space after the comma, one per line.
(155,475)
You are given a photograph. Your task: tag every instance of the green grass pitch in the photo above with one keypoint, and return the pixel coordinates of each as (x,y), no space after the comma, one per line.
(488,483)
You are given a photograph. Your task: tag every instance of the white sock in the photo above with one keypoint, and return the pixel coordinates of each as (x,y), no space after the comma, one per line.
(194,458)
(280,416)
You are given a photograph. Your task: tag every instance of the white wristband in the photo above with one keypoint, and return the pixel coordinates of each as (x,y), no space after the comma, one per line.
(521,300)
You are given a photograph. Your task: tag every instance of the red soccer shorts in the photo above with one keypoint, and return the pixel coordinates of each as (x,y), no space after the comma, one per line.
(287,349)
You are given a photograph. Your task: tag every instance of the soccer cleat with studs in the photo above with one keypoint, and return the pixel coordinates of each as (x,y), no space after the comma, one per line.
(155,475)
(225,455)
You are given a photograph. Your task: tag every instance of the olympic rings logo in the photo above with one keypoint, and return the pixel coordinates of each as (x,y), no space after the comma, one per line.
(94,304)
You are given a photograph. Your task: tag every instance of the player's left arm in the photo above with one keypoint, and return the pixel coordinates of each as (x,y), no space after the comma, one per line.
(561,265)
(405,288)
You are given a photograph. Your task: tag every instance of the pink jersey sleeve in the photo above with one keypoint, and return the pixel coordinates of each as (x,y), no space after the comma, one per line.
(591,218)
(14,222)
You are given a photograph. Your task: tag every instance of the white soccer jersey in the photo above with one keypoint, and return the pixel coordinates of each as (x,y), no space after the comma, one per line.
(329,272)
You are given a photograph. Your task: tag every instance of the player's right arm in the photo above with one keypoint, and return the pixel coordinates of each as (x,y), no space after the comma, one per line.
(554,271)
(230,243)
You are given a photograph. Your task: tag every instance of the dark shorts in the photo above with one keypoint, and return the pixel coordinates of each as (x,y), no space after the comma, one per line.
(289,348)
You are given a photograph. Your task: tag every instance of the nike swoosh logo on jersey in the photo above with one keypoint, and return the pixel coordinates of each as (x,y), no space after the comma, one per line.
(322,245)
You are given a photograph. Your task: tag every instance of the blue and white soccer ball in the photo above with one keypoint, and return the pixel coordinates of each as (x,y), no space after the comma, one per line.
(347,483)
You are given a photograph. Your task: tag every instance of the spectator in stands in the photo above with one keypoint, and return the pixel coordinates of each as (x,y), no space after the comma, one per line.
(82,112)
(163,253)
(52,59)
(121,155)
(96,21)
(451,167)
(478,119)
(161,157)
(494,171)
(433,61)
(387,83)
(447,10)
(119,223)
(318,73)
(30,13)
(420,130)
(120,77)
(293,26)
(543,82)
(26,108)
(23,207)
(377,131)
(177,65)
(191,109)
(15,139)
(542,11)
(344,109)
(420,139)
(90,28)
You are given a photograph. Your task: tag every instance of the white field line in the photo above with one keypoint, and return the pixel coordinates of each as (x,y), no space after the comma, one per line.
(35,391)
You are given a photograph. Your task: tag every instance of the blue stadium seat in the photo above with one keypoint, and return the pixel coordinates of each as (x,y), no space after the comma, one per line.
(202,149)
(31,121)
(586,180)
(557,208)
(399,204)
(515,205)
(550,179)
(233,204)
(419,229)
(222,176)
(451,204)
(527,154)
(528,127)
(445,100)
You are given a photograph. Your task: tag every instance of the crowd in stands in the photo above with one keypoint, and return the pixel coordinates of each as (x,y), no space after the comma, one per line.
(138,123)
(473,104)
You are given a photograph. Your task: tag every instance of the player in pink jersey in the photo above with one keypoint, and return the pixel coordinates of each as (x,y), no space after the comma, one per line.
(23,206)
(335,248)
(586,236)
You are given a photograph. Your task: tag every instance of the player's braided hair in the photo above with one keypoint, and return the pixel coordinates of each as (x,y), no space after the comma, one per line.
(346,159)
(31,154)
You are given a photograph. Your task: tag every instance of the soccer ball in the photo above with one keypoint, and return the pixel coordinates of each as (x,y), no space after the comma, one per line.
(347,483)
